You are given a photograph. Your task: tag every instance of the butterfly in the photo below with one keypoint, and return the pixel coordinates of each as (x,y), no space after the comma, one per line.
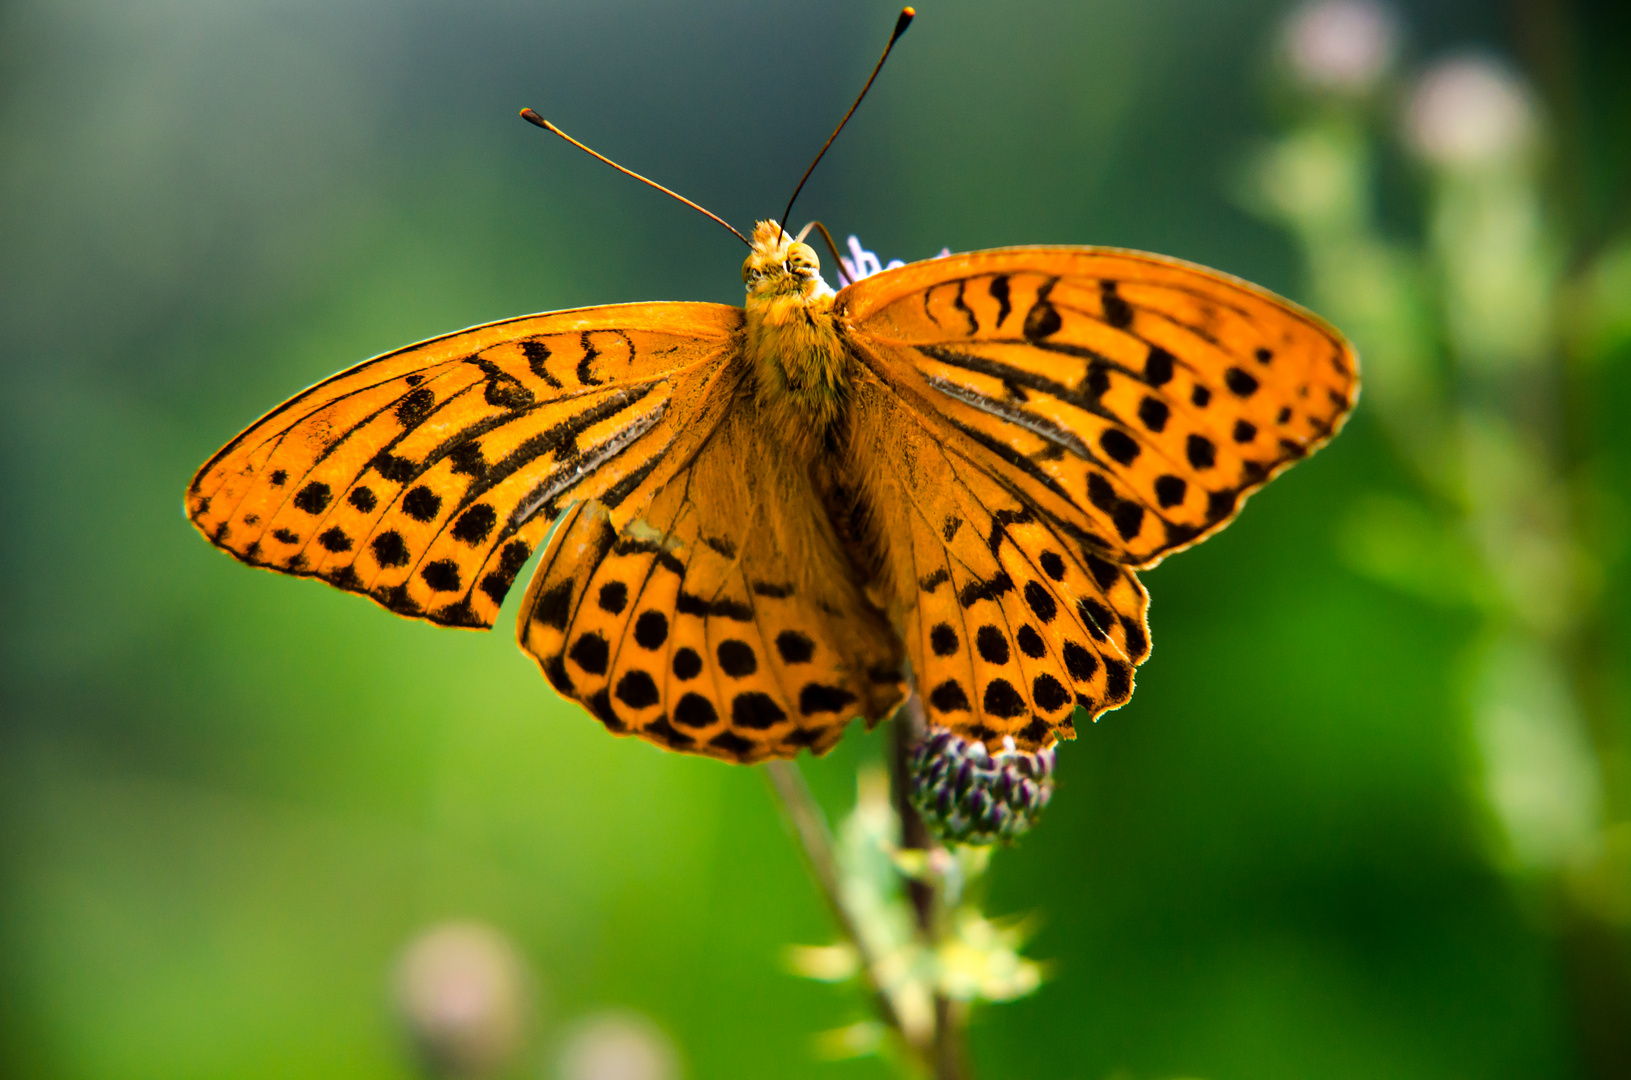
(761,522)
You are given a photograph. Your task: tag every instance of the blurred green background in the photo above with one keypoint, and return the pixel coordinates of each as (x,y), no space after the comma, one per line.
(229,799)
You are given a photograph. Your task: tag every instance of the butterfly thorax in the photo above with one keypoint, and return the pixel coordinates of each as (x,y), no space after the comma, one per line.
(791,337)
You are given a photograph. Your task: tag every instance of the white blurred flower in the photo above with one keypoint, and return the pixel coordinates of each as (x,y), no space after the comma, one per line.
(1344,45)
(1470,111)
(463,995)
(618,1046)
(860,262)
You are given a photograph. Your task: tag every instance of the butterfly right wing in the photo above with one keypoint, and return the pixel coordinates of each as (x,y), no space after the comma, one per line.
(426,477)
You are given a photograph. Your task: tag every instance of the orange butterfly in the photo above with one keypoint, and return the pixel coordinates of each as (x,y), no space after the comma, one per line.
(756,515)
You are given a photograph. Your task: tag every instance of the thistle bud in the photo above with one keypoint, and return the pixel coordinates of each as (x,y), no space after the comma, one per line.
(968,795)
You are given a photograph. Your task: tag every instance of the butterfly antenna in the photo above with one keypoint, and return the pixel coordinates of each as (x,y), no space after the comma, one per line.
(838,260)
(533,118)
(905,20)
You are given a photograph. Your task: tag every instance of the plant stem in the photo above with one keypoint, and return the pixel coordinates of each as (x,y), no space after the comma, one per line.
(810,826)
(946,1050)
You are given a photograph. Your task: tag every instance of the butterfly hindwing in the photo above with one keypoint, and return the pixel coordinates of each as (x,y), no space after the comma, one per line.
(721,619)
(1009,622)
(1140,397)
(426,477)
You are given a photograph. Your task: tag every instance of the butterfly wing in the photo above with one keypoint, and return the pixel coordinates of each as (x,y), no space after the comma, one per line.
(723,620)
(425,478)
(1041,421)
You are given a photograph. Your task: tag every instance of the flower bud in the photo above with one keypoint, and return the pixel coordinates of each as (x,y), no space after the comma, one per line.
(1469,111)
(618,1046)
(1341,45)
(967,795)
(463,995)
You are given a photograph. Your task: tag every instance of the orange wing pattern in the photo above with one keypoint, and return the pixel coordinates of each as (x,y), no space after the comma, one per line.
(1087,412)
(723,620)
(426,477)
(1010,623)
(1141,397)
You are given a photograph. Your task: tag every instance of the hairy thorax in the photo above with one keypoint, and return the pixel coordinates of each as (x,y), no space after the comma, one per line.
(801,371)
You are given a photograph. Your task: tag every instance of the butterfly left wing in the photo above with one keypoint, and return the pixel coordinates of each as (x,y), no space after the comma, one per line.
(426,477)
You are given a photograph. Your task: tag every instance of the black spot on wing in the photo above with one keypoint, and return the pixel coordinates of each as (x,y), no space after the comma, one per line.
(1041,601)
(687,665)
(334,539)
(731,742)
(475,525)
(736,658)
(1043,319)
(1049,693)
(637,690)
(1158,366)
(1169,490)
(651,630)
(313,498)
(1122,447)
(441,575)
(496,583)
(422,504)
(1118,679)
(695,711)
(390,549)
(1001,699)
(614,597)
(1117,312)
(991,645)
(591,652)
(756,710)
(948,697)
(1239,382)
(414,406)
(820,698)
(794,647)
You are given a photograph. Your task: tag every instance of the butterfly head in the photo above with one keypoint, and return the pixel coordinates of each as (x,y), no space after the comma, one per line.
(782,266)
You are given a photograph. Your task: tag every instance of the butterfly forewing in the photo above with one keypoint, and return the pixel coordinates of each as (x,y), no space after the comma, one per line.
(1151,393)
(426,477)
